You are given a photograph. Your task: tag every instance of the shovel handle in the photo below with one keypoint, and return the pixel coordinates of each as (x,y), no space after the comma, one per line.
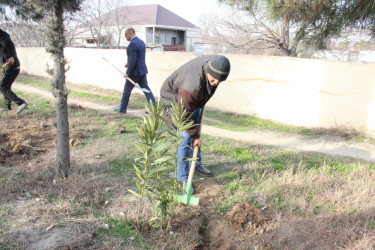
(193,163)
(130,80)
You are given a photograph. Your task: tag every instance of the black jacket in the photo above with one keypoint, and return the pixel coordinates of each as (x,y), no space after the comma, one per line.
(189,83)
(7,50)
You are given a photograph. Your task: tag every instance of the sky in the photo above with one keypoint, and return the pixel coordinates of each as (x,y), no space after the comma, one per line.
(191,10)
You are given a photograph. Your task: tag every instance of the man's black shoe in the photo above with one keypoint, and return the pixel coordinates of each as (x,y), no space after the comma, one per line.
(203,171)
(119,110)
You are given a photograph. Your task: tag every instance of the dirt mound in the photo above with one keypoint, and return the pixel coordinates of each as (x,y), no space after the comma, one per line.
(23,140)
(219,234)
(246,218)
(209,193)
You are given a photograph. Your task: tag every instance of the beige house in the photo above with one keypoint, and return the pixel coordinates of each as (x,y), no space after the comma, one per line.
(158,27)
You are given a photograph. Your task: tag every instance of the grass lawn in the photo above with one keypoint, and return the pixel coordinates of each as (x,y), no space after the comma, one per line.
(260,197)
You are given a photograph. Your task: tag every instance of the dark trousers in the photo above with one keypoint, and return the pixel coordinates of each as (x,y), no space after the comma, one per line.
(142,82)
(6,85)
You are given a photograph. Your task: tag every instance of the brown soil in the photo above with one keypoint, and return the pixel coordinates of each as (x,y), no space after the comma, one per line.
(21,140)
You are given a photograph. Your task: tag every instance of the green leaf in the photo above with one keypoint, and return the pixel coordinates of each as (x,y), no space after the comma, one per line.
(131,191)
(162,159)
(149,197)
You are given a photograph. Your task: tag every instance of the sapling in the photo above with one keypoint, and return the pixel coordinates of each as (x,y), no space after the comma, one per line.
(149,133)
(158,154)
(180,121)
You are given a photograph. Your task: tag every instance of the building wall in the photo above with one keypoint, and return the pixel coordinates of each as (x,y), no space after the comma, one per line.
(305,92)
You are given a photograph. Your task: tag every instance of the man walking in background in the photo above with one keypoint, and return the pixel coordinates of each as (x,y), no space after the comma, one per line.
(11,63)
(136,69)
(195,83)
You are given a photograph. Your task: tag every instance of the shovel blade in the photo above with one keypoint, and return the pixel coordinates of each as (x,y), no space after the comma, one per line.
(143,89)
(188,200)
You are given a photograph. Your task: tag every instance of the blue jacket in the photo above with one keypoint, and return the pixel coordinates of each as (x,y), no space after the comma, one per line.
(136,53)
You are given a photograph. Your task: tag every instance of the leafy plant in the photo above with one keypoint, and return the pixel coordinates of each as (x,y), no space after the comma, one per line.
(150,135)
(180,121)
(158,147)
(4,68)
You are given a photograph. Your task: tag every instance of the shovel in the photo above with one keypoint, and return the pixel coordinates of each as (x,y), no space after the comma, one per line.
(188,199)
(130,80)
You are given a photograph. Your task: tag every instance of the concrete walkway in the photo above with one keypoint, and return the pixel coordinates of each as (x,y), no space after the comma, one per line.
(363,151)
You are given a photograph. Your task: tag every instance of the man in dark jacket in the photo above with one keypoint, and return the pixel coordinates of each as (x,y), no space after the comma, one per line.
(195,82)
(136,69)
(9,59)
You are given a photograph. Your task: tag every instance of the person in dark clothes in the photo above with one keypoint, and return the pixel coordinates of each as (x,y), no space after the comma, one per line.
(9,58)
(136,69)
(195,83)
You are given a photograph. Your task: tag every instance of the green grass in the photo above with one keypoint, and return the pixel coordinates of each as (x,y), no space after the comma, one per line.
(41,84)
(246,171)
(236,122)
(122,166)
(109,96)
(37,106)
(124,231)
(96,97)
(302,184)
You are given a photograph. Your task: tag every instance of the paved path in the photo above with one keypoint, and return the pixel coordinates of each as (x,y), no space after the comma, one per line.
(357,150)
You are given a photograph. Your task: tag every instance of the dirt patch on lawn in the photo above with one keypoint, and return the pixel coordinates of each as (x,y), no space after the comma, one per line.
(72,236)
(22,140)
(246,218)
(233,229)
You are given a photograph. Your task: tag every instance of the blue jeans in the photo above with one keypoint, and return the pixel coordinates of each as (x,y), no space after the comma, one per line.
(185,150)
(142,82)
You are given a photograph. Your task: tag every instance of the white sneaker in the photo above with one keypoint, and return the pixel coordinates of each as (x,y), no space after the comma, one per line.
(21,107)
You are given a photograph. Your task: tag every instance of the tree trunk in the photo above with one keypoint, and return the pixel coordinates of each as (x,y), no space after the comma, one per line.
(62,147)
(56,48)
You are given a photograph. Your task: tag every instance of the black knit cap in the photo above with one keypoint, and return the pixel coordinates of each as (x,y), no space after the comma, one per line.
(219,67)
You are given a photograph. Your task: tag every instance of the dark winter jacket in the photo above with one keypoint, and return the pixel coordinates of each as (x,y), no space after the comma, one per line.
(189,83)
(7,50)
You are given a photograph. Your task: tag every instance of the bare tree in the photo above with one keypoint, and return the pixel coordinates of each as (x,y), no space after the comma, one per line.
(25,33)
(120,18)
(241,34)
(103,18)
(92,18)
(287,26)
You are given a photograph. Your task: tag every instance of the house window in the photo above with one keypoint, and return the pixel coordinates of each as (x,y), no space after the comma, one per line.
(90,41)
(173,41)
(157,39)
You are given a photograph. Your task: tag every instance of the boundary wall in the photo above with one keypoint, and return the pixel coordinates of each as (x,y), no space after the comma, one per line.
(294,91)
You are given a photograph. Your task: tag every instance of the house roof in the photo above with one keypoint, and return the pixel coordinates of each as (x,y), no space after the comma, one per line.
(150,14)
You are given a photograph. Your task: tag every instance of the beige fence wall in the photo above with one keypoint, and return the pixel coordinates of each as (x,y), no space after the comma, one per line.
(306,92)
